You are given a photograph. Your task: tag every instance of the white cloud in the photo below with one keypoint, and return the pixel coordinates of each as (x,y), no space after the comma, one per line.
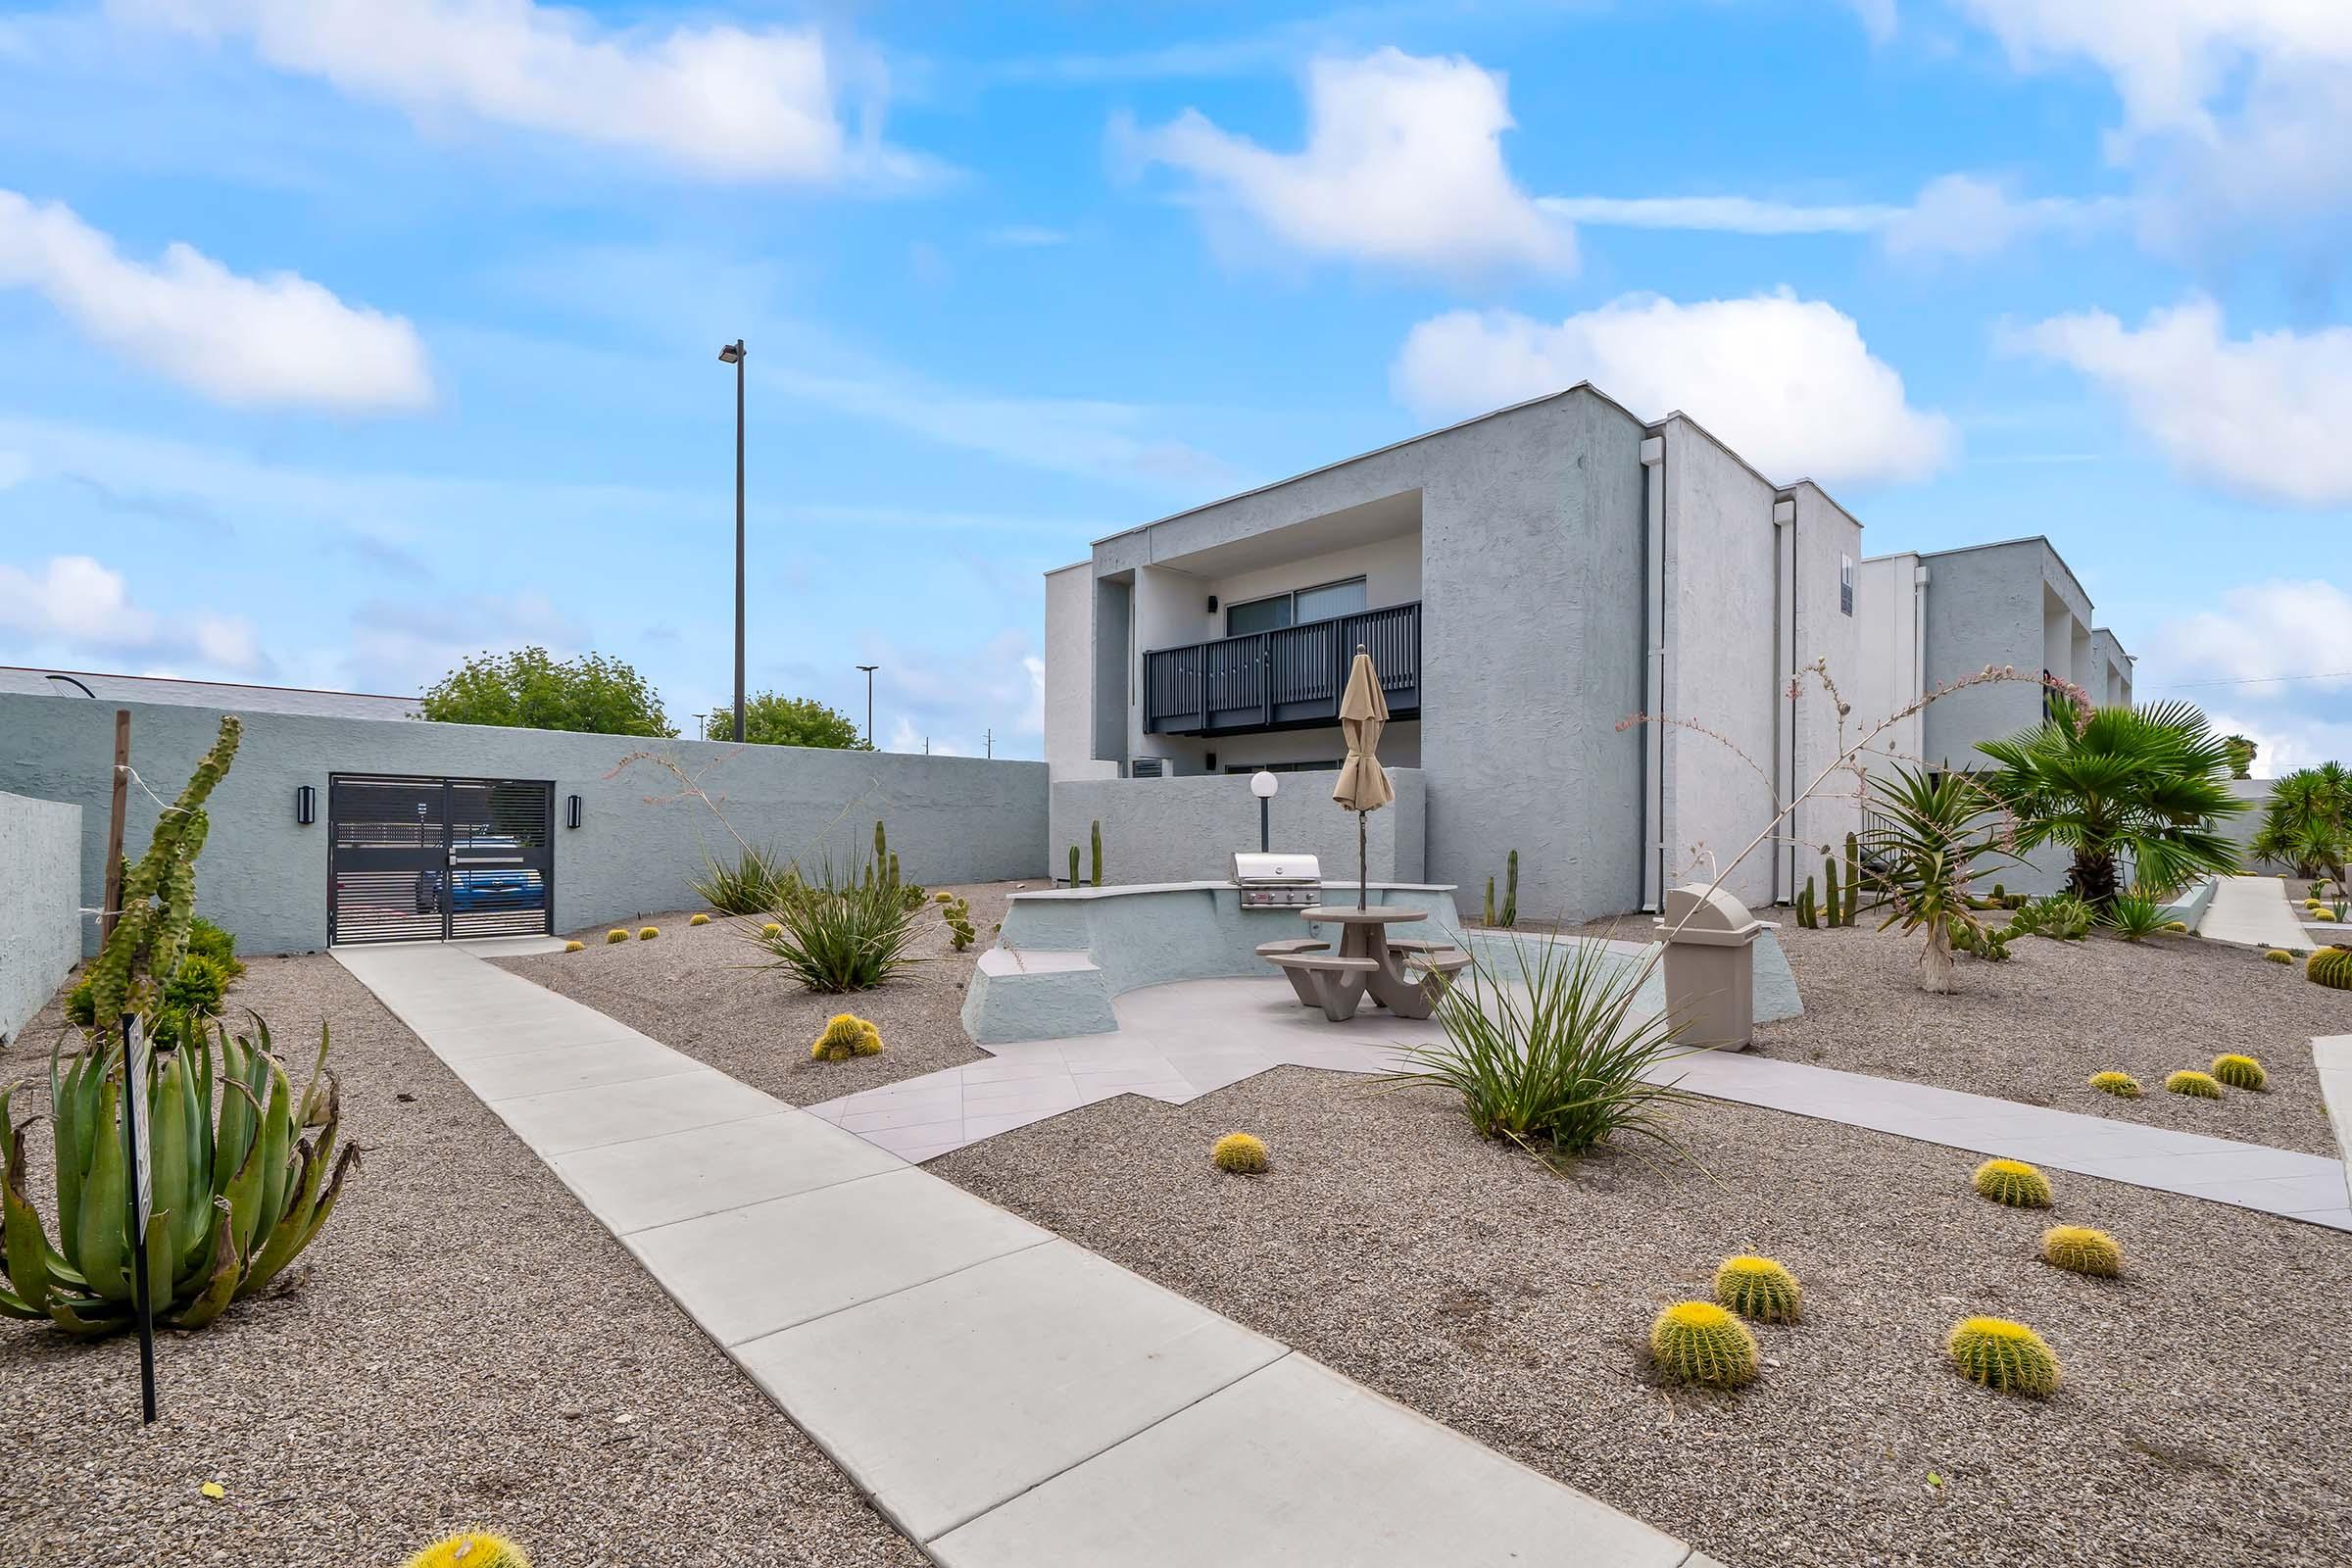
(77,605)
(715,101)
(2230,107)
(2264,631)
(958,698)
(1402,166)
(1788,383)
(279,339)
(1877,18)
(1026,236)
(405,646)
(2264,416)
(1953,214)
(2284,739)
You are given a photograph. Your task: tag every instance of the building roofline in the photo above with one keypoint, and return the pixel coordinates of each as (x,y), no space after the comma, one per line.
(1586,387)
(198,680)
(2041,539)
(1056,572)
(2108,632)
(1732,452)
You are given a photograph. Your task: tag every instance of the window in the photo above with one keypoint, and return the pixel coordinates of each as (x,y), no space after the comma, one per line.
(1330,766)
(1319,602)
(1845,584)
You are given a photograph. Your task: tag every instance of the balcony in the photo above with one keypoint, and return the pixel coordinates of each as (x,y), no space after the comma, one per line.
(1286,679)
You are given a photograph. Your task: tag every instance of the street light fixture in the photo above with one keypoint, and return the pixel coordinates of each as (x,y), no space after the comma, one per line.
(870,703)
(1263,784)
(732,354)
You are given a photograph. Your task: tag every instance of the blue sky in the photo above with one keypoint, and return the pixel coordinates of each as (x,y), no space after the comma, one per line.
(340,338)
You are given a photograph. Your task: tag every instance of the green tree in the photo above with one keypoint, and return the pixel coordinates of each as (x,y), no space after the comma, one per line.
(2308,823)
(1928,832)
(531,689)
(771,720)
(2241,754)
(2149,785)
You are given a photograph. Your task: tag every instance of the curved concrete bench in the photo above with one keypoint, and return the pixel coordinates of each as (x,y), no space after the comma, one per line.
(1065,952)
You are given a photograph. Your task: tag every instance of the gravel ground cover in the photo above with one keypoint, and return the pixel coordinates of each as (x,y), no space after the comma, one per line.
(2204,1418)
(694,989)
(465,1346)
(2036,1028)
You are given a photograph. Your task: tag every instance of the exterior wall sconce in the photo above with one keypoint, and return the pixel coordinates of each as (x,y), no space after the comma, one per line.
(306,804)
(571,811)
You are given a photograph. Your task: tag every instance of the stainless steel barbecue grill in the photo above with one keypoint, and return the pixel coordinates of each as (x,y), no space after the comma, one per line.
(1278,881)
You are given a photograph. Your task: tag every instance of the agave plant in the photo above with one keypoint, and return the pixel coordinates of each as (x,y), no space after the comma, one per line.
(842,933)
(758,881)
(2133,915)
(244,1174)
(1927,832)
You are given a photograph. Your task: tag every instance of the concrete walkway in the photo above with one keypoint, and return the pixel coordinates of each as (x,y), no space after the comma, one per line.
(1178,1041)
(1007,1398)
(2253,912)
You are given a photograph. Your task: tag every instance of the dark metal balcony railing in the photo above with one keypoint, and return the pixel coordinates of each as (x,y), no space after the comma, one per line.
(1283,679)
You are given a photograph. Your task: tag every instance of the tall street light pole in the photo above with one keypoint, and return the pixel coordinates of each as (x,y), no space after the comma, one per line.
(732,354)
(870,703)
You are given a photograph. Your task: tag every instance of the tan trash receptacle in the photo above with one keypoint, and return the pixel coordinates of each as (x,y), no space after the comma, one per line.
(1710,967)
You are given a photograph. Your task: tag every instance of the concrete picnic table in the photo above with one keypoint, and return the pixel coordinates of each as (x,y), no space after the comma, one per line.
(1363,934)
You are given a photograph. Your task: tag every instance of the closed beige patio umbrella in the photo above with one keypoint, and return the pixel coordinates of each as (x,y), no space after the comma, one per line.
(1363,786)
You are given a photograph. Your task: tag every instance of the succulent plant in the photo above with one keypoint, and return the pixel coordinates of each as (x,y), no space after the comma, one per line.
(1074,865)
(942,896)
(475,1549)
(2328,916)
(957,912)
(2080,1250)
(1699,1341)
(2122,1085)
(1833,914)
(616,934)
(2277,955)
(648,933)
(2014,1183)
(2195,1085)
(844,1036)
(869,1038)
(2239,1071)
(1487,915)
(2177,927)
(1805,908)
(700,919)
(240,1182)
(1759,1288)
(2000,1354)
(1510,890)
(1240,1153)
(1094,854)
(2331,967)
(574,946)
(770,930)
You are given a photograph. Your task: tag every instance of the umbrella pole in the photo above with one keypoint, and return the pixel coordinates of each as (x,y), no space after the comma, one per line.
(1362,861)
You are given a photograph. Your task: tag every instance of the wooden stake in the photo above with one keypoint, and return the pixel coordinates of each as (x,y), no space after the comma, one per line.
(114,828)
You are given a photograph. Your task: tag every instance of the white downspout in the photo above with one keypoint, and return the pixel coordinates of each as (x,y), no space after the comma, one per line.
(1919,655)
(1783,708)
(1654,680)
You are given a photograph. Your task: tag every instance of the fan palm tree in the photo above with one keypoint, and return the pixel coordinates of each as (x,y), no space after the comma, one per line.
(2149,785)
(1927,832)
(2308,823)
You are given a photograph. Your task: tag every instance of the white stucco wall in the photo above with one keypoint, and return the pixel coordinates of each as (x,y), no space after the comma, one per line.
(1186,829)
(1885,673)
(1826,535)
(1390,569)
(1070,674)
(40,899)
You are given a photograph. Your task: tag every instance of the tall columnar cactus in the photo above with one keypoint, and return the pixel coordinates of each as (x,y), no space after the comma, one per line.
(1095,865)
(894,868)
(881,845)
(1853,877)
(1807,913)
(1833,915)
(1510,889)
(159,897)
(1073,865)
(1488,917)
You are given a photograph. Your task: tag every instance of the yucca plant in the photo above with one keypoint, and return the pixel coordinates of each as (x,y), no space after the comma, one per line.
(850,933)
(1559,1064)
(2308,823)
(1926,836)
(753,883)
(245,1173)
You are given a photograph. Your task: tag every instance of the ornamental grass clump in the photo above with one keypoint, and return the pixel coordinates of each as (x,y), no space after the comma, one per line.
(1997,1353)
(2013,1183)
(2195,1085)
(1240,1153)
(1759,1288)
(841,934)
(2241,1072)
(755,880)
(475,1549)
(1699,1341)
(2122,1085)
(1558,1065)
(2080,1249)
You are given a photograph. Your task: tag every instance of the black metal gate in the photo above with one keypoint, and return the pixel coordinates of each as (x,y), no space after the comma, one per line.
(423,860)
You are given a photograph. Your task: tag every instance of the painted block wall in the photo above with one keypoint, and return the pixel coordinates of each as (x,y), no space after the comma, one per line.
(264,877)
(1186,829)
(1826,535)
(40,902)
(1069,705)
(1985,607)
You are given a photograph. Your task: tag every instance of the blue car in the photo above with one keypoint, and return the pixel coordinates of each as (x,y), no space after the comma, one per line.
(482,888)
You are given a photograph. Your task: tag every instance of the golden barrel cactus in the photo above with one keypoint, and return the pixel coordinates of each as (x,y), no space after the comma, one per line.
(475,1549)
(2195,1085)
(1699,1341)
(869,1038)
(2277,955)
(843,1037)
(648,933)
(574,946)
(2080,1249)
(2122,1085)
(700,919)
(2000,1354)
(2331,967)
(1759,1288)
(616,934)
(2241,1072)
(771,929)
(1240,1153)
(2014,1183)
